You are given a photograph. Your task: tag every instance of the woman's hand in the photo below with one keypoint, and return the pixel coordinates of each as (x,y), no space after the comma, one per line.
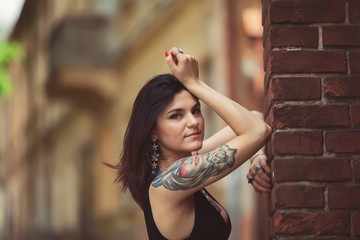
(183,66)
(260,174)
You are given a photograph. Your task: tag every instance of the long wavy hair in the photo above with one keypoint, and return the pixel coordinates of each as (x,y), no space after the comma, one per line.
(134,169)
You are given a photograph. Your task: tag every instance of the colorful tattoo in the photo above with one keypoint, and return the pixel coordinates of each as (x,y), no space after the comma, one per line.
(192,171)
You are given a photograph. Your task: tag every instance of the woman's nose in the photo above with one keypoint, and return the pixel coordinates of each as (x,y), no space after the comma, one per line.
(192,120)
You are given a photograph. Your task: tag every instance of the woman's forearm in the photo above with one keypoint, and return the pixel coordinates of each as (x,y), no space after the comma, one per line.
(241,121)
(237,117)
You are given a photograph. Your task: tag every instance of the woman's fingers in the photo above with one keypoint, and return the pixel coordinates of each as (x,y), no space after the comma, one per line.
(183,66)
(173,51)
(174,55)
(171,62)
(172,59)
(260,173)
(263,175)
(261,160)
(264,165)
(258,184)
(262,180)
(260,188)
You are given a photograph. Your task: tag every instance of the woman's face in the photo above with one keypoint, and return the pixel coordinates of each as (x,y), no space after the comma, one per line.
(180,126)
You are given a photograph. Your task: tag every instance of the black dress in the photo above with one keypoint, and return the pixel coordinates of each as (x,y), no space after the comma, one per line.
(209,224)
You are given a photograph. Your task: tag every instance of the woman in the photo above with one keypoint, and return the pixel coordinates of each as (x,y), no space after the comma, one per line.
(165,163)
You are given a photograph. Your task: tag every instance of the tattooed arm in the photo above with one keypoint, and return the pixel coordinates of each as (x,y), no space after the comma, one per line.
(170,193)
(250,131)
(192,172)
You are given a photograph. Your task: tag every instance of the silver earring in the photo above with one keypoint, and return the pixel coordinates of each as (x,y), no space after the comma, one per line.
(155,155)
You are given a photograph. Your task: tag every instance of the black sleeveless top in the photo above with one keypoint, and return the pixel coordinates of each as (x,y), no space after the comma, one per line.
(209,224)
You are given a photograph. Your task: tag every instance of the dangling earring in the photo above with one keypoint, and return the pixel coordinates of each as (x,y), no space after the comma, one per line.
(155,155)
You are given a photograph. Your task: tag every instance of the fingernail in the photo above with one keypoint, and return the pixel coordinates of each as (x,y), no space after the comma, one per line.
(267,191)
(166,53)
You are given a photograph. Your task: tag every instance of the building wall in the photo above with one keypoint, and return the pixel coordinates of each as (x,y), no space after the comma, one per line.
(313,96)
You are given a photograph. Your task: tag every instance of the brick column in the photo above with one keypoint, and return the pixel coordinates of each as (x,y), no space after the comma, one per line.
(312,84)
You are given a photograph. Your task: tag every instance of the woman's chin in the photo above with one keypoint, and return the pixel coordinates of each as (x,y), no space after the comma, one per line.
(196,147)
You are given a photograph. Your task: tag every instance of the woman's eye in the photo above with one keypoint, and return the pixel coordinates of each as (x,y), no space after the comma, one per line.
(196,111)
(175,116)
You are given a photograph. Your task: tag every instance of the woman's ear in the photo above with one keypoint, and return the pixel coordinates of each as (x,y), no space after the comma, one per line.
(153,133)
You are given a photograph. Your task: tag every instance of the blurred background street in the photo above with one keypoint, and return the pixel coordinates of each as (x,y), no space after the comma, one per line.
(82,64)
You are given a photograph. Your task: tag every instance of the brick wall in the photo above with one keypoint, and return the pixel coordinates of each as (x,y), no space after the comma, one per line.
(312,82)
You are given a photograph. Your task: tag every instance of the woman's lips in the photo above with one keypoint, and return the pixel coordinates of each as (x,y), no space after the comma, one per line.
(194,135)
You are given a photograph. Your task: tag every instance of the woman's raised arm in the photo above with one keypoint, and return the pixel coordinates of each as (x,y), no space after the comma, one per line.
(194,172)
(241,121)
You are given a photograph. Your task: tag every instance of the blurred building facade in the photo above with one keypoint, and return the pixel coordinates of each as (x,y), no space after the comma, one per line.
(84,62)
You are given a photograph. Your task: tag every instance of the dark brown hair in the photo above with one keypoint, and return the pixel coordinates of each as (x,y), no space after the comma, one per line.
(134,169)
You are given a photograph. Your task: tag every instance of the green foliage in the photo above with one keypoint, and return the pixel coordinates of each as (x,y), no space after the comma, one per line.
(9,51)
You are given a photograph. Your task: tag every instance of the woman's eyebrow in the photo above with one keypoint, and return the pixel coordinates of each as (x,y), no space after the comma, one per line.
(182,109)
(175,110)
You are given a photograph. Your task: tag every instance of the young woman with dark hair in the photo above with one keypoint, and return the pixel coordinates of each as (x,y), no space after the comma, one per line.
(165,163)
(134,169)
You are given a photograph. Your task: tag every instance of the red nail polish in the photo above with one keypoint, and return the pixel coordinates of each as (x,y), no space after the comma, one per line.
(267,191)
(166,53)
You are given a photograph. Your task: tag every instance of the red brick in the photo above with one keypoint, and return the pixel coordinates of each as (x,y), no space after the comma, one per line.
(342,87)
(357,170)
(355,112)
(354,61)
(303,11)
(344,197)
(343,141)
(306,88)
(269,151)
(307,169)
(298,142)
(285,36)
(356,223)
(267,102)
(267,50)
(265,7)
(306,223)
(295,116)
(307,62)
(266,27)
(297,197)
(354,11)
(343,36)
(267,73)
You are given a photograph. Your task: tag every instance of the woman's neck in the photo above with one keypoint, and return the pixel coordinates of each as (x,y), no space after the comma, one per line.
(169,158)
